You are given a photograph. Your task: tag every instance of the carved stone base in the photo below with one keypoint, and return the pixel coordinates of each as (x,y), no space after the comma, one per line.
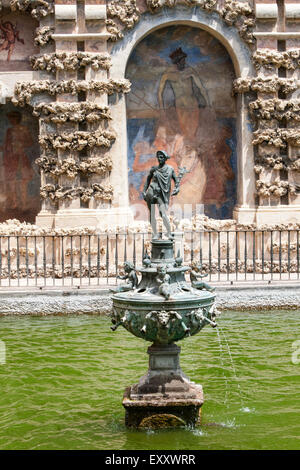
(164,397)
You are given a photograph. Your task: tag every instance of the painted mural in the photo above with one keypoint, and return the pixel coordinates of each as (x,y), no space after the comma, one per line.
(19,177)
(181,102)
(17,33)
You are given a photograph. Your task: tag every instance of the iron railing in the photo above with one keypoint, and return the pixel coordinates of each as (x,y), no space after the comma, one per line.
(226,256)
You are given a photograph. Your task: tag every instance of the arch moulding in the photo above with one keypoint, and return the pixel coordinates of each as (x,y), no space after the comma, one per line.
(241,57)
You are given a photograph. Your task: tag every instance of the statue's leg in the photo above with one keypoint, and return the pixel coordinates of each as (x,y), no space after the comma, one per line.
(198,285)
(208,287)
(151,208)
(165,218)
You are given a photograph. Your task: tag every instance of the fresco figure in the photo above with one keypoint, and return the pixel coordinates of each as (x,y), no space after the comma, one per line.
(181,101)
(17,166)
(10,33)
(189,93)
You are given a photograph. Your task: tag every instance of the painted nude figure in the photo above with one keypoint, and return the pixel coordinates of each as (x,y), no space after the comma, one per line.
(16,163)
(157,191)
(10,34)
(189,93)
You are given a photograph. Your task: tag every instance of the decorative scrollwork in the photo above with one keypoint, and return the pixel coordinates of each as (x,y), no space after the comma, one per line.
(163,326)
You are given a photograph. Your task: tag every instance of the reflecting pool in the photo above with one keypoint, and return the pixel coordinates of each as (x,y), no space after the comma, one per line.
(62,381)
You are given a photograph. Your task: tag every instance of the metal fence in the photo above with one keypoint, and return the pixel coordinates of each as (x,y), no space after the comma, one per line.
(97,260)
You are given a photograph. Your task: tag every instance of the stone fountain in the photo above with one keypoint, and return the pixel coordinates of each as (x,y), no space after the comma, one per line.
(162,308)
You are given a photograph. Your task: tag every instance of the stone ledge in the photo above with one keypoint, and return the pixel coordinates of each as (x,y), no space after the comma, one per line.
(257,296)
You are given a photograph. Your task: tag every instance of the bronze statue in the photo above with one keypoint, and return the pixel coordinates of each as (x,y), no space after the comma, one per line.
(157,191)
(130,276)
(195,275)
(163,280)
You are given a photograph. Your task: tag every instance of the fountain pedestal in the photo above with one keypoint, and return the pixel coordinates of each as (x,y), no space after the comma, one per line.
(163,308)
(164,396)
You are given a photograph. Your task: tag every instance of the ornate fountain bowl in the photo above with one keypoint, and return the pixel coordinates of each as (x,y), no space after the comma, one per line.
(163,311)
(152,318)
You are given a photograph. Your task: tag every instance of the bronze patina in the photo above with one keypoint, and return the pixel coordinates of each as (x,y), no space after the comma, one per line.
(157,191)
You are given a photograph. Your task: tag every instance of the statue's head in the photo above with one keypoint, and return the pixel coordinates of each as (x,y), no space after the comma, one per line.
(178,58)
(196,265)
(8,25)
(128,266)
(161,269)
(162,156)
(14,117)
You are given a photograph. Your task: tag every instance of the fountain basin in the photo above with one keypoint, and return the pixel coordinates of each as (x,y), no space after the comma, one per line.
(155,319)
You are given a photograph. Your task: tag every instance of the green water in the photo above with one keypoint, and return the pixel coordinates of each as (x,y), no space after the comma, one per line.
(63,381)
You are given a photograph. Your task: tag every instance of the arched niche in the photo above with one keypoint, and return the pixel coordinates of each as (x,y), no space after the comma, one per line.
(181,102)
(19,175)
(242,66)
